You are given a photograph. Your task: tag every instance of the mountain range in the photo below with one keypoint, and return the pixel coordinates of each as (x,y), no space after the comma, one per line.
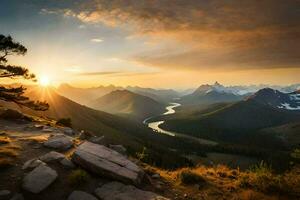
(228,122)
(209,94)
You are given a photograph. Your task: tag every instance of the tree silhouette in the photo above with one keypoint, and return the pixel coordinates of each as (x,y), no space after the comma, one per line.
(9,47)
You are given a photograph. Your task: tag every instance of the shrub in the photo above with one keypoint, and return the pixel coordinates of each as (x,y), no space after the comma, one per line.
(189,177)
(262,178)
(142,155)
(78,177)
(64,122)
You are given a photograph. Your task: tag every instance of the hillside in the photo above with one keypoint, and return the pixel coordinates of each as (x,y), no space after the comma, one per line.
(126,103)
(288,133)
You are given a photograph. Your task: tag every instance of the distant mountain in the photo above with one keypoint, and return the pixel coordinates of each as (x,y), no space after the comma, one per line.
(266,108)
(124,102)
(209,94)
(277,99)
(161,95)
(84,95)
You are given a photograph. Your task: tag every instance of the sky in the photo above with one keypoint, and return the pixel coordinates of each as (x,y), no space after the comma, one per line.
(157,43)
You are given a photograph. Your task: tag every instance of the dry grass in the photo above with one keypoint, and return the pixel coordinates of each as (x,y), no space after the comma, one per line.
(14,147)
(4,140)
(188,177)
(258,183)
(36,139)
(6,152)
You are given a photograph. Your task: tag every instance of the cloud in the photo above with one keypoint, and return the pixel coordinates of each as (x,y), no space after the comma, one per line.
(99,73)
(97,40)
(206,34)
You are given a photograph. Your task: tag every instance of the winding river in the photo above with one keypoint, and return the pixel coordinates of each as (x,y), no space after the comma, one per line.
(171,110)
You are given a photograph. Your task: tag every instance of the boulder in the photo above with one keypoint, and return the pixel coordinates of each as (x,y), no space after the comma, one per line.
(119,191)
(52,156)
(79,195)
(33,163)
(39,179)
(59,142)
(119,148)
(107,162)
(67,163)
(5,194)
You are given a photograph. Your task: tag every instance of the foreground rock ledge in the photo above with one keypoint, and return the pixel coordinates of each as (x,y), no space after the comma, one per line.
(107,162)
(39,179)
(119,191)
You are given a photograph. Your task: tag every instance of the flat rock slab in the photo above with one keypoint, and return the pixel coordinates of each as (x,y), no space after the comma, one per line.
(60,142)
(79,195)
(119,191)
(107,162)
(39,179)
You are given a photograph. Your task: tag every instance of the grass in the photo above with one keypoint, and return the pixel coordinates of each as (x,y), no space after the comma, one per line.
(78,177)
(262,178)
(259,182)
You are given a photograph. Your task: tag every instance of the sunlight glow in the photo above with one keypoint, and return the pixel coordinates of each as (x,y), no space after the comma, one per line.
(44,81)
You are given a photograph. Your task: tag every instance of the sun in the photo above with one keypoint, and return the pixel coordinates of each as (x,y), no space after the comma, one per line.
(44,81)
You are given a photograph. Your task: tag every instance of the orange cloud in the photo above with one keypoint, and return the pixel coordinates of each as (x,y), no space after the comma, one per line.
(207,34)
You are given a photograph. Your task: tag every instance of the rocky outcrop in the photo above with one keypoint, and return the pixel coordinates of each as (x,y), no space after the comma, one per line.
(79,195)
(39,179)
(119,191)
(59,142)
(107,162)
